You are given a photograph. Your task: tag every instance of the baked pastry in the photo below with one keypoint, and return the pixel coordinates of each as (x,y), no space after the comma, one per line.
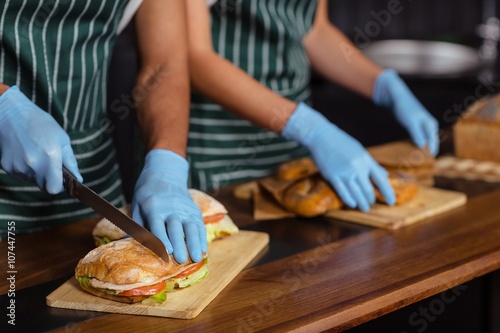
(476,134)
(310,197)
(299,188)
(297,169)
(405,189)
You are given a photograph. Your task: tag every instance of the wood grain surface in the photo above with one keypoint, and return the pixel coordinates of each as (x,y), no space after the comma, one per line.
(340,282)
(427,203)
(227,257)
(338,285)
(49,254)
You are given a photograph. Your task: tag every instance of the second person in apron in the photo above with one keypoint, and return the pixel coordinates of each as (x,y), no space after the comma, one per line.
(250,67)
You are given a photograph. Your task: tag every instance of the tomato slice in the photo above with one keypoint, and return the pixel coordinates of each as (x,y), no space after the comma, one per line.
(146,290)
(190,270)
(213,218)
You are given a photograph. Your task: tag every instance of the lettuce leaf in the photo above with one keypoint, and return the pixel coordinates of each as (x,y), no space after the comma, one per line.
(84,280)
(156,299)
(103,240)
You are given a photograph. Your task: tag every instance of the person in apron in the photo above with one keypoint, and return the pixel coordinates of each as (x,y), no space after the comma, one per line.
(54,58)
(250,68)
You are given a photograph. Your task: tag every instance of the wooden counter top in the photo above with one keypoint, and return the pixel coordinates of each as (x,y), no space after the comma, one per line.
(336,282)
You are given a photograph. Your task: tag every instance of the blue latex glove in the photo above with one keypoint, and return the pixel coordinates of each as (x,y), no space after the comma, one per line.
(33,145)
(342,160)
(163,203)
(390,91)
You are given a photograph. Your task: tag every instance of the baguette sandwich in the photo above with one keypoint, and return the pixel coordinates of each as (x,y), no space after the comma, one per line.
(105,231)
(126,271)
(215,216)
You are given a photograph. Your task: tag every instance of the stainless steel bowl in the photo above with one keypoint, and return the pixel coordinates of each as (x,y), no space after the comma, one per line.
(425,59)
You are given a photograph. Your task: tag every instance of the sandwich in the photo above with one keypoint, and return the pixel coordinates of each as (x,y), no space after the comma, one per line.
(105,231)
(215,216)
(403,158)
(128,272)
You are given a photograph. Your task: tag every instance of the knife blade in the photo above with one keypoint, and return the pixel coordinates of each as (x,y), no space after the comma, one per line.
(113,214)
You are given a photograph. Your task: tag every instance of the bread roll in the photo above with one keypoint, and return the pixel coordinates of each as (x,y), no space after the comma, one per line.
(310,197)
(405,189)
(297,169)
(125,265)
(476,134)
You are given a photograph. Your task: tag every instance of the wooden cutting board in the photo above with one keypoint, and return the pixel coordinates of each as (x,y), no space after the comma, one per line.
(428,202)
(227,257)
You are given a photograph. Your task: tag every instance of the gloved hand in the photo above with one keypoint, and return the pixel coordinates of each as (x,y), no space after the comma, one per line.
(33,145)
(162,202)
(390,91)
(342,160)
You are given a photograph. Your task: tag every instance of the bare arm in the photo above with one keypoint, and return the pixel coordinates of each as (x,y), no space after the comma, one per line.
(337,58)
(162,91)
(3,87)
(223,82)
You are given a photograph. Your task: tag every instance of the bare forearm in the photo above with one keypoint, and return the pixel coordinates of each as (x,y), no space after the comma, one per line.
(339,60)
(234,89)
(225,83)
(162,92)
(162,100)
(3,87)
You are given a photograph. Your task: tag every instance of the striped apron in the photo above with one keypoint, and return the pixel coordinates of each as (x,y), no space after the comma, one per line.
(57,52)
(264,38)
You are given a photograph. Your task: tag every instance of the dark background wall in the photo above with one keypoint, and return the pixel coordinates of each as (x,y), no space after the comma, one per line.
(449,20)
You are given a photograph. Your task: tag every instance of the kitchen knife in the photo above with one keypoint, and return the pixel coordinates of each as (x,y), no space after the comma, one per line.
(113,214)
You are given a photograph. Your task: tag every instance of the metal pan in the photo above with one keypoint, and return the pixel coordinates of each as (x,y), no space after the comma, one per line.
(425,59)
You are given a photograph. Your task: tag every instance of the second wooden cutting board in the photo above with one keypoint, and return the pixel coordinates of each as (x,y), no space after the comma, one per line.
(227,257)
(429,202)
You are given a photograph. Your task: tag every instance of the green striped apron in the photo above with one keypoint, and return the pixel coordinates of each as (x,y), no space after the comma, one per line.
(264,38)
(57,52)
